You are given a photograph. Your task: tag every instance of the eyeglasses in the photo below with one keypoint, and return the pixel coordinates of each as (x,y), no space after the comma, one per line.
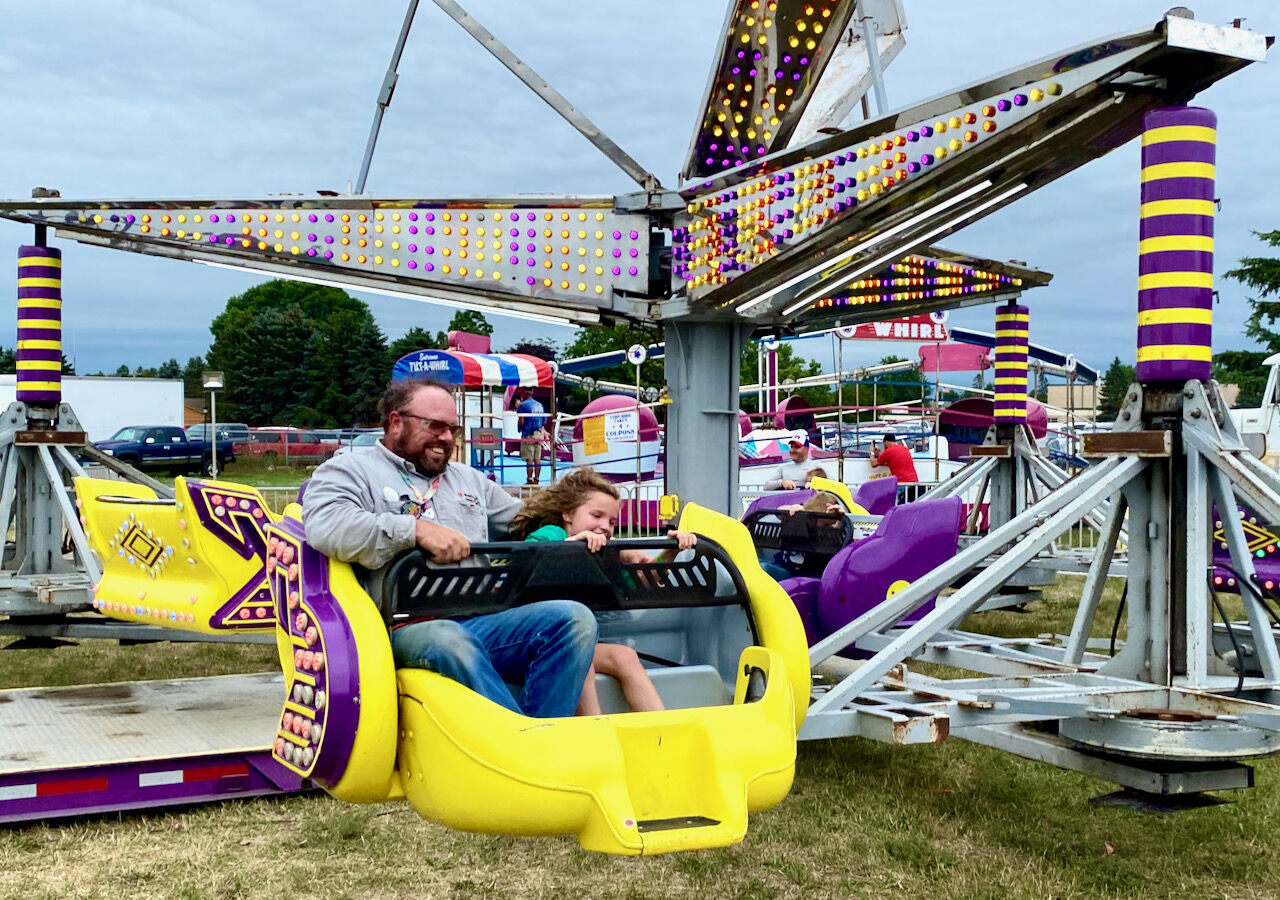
(434,426)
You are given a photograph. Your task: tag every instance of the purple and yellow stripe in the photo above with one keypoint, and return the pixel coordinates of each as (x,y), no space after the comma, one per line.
(1175,249)
(39,356)
(1012,339)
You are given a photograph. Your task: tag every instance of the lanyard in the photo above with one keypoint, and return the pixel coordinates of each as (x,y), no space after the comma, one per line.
(421,508)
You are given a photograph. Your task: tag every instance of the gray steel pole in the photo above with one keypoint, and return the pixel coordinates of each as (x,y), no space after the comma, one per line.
(873,60)
(384,95)
(553,98)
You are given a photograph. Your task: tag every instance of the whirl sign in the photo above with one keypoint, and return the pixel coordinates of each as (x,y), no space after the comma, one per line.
(924,327)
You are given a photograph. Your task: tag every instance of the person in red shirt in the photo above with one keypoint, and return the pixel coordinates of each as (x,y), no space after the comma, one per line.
(895,457)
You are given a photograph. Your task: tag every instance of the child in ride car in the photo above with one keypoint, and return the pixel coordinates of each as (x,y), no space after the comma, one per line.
(583,506)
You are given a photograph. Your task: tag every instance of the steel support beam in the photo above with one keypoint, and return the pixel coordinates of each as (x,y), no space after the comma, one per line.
(702,361)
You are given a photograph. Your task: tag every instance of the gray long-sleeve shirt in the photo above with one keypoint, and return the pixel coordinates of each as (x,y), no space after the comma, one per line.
(354,507)
(789,469)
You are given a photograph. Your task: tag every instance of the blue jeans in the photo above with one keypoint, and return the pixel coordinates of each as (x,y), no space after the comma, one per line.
(548,646)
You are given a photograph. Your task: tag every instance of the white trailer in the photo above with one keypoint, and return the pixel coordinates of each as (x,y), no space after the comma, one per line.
(1259,427)
(105,404)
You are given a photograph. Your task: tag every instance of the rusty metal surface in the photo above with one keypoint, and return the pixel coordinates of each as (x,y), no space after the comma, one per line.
(50,436)
(1146,444)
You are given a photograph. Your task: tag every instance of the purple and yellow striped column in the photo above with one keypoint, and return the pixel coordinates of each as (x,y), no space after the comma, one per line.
(1175,250)
(39,355)
(1012,333)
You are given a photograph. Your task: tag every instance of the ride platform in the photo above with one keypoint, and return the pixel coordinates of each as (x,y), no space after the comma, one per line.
(89,749)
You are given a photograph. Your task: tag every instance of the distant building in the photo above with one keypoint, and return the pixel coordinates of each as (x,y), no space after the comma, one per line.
(1080,400)
(195,411)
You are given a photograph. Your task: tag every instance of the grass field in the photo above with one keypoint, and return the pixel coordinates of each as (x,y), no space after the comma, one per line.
(863,820)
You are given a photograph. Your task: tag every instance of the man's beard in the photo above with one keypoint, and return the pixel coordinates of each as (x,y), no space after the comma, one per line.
(420,462)
(429,470)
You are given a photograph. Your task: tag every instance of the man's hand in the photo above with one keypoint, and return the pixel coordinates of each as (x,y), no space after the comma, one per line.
(443,545)
(788,484)
(594,541)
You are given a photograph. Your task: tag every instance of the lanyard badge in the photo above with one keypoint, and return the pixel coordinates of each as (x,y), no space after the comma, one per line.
(420,508)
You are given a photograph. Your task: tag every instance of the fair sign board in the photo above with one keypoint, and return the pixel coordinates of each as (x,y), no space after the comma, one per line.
(621,426)
(924,327)
(593,442)
(486,438)
(598,432)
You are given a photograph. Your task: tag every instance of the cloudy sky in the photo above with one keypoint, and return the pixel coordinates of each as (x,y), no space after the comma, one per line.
(243,99)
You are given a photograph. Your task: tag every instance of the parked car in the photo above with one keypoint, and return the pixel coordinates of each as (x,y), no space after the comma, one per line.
(361,442)
(236,432)
(286,444)
(165,448)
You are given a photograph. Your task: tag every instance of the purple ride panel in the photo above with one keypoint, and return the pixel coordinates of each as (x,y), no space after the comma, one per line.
(318,723)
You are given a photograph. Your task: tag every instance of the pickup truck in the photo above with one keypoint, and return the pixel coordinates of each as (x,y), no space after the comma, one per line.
(287,445)
(164,448)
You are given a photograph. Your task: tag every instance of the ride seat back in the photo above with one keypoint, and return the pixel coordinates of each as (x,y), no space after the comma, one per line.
(806,541)
(911,540)
(690,611)
(878,495)
(782,498)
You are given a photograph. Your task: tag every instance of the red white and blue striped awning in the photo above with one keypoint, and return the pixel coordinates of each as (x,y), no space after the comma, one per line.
(473,370)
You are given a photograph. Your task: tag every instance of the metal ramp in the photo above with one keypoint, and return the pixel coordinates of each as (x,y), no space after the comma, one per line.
(137,745)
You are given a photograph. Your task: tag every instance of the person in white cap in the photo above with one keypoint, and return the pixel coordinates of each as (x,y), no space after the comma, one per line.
(790,474)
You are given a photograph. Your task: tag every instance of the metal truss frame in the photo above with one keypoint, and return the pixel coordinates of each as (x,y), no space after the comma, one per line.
(1163,715)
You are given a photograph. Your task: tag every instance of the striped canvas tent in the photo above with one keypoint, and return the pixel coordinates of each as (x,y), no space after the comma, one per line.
(474,370)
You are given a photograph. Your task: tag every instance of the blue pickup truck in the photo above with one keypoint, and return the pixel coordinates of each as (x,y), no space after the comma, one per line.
(164,448)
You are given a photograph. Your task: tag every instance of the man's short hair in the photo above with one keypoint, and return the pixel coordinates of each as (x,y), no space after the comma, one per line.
(397,394)
(890,436)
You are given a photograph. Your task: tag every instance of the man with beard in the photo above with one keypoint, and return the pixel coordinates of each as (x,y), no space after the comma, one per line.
(366,508)
(790,475)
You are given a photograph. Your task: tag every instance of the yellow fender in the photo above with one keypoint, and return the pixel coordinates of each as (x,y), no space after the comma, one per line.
(841,490)
(780,626)
(195,562)
(628,783)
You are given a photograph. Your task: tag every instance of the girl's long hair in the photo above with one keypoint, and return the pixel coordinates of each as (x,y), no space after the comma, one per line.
(550,505)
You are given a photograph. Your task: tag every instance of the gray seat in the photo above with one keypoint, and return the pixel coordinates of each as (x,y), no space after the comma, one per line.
(684,687)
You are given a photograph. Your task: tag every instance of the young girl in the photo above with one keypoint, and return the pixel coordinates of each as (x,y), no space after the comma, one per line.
(583,506)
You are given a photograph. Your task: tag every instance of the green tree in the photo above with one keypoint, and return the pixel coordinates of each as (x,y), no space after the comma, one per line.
(1262,273)
(791,367)
(414,339)
(193,377)
(1115,381)
(905,387)
(601,339)
(298,353)
(124,371)
(533,348)
(1244,369)
(469,320)
(169,369)
(347,352)
(1042,387)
